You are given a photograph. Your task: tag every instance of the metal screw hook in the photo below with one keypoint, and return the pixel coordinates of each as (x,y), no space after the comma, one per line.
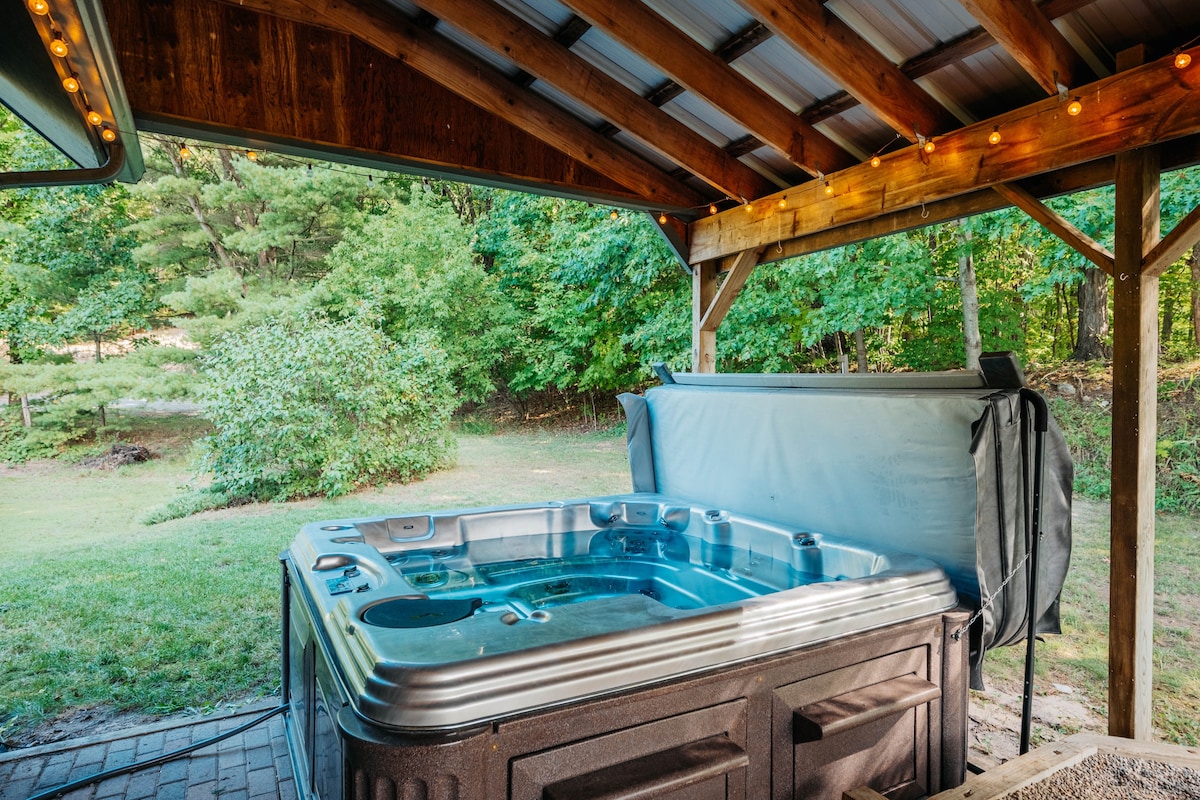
(924,211)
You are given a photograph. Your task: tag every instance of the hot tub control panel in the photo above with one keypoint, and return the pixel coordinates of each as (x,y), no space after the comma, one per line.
(351,580)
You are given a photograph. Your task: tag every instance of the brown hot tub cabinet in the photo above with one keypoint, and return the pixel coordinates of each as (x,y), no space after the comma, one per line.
(745,625)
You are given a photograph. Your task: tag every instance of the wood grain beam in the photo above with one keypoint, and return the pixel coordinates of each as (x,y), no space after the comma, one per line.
(739,271)
(702,72)
(1027,35)
(1079,241)
(852,62)
(454,68)
(1140,107)
(511,37)
(704,343)
(1183,237)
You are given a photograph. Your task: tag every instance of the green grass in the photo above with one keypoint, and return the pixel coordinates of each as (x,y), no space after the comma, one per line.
(98,608)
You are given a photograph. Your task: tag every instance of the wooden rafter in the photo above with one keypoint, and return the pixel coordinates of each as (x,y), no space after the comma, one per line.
(1054,222)
(511,37)
(947,53)
(1025,32)
(1183,237)
(852,62)
(705,74)
(739,271)
(1137,108)
(473,79)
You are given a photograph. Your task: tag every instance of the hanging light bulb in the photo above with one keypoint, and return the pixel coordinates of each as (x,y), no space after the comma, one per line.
(71,84)
(1075,107)
(184,153)
(613,214)
(712,209)
(994,136)
(748,208)
(58,45)
(94,118)
(108,134)
(929,146)
(783,202)
(251,155)
(876,161)
(39,7)
(662,219)
(309,170)
(1183,60)
(828,188)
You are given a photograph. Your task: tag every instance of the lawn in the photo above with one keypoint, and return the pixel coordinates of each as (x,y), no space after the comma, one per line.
(97,608)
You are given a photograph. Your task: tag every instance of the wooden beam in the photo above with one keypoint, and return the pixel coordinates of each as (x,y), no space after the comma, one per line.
(1053,222)
(1136,108)
(472,78)
(848,58)
(513,38)
(735,279)
(690,65)
(1183,237)
(949,52)
(1027,35)
(1134,435)
(704,343)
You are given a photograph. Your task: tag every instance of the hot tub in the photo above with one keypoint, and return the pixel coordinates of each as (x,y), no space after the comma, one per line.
(427,630)
(441,620)
(771,614)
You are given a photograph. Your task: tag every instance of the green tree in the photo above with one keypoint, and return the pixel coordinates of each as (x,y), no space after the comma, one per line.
(304,406)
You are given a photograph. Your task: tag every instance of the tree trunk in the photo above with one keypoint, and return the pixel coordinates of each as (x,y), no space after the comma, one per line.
(1194,265)
(969,289)
(860,349)
(1093,316)
(96,338)
(198,212)
(26,417)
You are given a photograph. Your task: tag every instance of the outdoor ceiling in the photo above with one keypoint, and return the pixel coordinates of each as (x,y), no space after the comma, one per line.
(673,106)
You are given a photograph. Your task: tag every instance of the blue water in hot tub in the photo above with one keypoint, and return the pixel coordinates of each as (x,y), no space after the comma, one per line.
(535,572)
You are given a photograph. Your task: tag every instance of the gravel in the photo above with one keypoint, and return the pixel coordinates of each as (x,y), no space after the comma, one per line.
(1106,775)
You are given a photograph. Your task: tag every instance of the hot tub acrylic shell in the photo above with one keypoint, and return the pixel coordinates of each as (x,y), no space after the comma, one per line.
(711,589)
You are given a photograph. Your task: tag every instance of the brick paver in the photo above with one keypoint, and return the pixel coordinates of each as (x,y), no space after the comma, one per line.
(253,764)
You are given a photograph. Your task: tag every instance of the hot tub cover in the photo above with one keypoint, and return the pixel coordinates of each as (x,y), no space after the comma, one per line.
(935,464)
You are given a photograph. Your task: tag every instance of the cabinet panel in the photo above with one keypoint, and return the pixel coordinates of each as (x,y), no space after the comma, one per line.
(864,724)
(700,754)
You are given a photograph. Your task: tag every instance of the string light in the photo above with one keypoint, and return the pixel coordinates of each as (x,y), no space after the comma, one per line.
(994,136)
(39,7)
(876,161)
(251,155)
(58,45)
(712,209)
(1075,107)
(1183,60)
(929,146)
(748,207)
(613,214)
(94,118)
(108,134)
(828,188)
(184,153)
(71,83)
(309,170)
(783,202)
(662,219)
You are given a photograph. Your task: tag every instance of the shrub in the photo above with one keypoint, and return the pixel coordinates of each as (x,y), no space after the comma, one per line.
(307,407)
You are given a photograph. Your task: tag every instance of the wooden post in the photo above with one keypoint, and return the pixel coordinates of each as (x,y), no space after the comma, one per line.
(704,343)
(1134,434)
